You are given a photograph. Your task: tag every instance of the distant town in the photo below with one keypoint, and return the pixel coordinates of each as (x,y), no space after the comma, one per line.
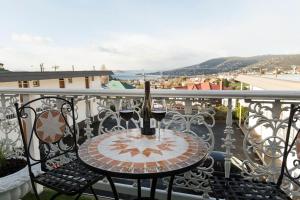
(213,74)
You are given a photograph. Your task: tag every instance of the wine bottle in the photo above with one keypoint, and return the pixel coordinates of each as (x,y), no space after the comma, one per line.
(147,129)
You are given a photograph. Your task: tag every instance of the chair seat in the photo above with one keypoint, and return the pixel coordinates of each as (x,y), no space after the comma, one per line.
(238,188)
(69,178)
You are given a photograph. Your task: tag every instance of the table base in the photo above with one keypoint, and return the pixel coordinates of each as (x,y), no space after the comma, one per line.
(139,190)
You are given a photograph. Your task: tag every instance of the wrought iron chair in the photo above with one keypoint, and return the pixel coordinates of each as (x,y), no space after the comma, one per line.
(237,187)
(51,122)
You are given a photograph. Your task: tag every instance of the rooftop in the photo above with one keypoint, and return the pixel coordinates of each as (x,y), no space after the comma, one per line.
(27,76)
(202,86)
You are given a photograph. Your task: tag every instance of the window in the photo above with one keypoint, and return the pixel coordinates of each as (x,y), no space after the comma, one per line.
(25,84)
(20,84)
(61,83)
(36,83)
(92,78)
(70,80)
(87,82)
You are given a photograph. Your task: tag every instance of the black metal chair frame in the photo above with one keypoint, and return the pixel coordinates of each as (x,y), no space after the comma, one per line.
(236,187)
(64,175)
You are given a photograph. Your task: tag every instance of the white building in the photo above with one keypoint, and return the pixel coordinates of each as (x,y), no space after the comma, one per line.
(59,79)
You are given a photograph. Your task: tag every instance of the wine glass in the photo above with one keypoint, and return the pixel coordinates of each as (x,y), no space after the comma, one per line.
(158,111)
(126,110)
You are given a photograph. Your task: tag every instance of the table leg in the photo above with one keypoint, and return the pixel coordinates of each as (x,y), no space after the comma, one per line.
(170,187)
(153,188)
(139,188)
(113,187)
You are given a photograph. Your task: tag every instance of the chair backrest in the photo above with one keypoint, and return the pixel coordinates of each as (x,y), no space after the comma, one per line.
(49,124)
(290,166)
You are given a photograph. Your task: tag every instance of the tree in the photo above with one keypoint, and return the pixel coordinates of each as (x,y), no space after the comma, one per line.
(225,82)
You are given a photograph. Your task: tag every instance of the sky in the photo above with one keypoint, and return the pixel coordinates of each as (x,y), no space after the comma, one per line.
(142,34)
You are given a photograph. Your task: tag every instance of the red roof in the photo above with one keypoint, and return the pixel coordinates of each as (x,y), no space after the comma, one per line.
(201,86)
(181,88)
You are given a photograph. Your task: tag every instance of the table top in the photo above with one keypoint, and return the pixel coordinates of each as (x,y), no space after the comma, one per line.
(131,154)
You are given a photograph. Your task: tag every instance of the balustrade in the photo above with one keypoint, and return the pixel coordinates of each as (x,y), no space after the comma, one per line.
(188,111)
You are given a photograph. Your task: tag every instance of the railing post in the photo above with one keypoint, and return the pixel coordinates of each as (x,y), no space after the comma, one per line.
(88,129)
(3,117)
(34,148)
(188,107)
(240,107)
(228,141)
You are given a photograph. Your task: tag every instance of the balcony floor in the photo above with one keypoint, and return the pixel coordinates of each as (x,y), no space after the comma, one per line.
(46,194)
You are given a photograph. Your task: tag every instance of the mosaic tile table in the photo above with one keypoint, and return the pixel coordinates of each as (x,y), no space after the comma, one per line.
(136,156)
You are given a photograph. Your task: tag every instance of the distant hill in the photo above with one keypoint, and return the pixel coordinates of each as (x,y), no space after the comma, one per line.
(225,64)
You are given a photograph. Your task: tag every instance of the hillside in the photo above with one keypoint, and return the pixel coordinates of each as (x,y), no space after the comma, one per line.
(225,64)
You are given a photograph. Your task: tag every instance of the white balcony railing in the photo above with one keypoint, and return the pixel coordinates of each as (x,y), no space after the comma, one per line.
(189,111)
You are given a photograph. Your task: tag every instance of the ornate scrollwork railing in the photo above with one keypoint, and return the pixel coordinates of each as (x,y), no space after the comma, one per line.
(265,129)
(189,111)
(10,138)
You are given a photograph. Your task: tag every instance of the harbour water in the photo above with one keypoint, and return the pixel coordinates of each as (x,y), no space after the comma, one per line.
(134,75)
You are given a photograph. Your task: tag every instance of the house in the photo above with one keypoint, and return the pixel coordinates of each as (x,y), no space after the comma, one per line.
(58,79)
(201,86)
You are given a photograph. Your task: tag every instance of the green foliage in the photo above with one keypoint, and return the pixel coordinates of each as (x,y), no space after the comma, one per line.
(2,159)
(221,112)
(235,85)
(46,194)
(244,112)
(225,82)
(113,108)
(2,155)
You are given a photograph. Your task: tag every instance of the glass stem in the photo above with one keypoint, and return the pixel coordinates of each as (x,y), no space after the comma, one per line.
(127,122)
(158,130)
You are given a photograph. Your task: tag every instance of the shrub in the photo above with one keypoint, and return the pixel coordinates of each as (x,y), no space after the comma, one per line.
(2,156)
(221,112)
(244,112)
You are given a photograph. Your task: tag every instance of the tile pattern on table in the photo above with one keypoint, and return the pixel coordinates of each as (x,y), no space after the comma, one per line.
(135,153)
(50,126)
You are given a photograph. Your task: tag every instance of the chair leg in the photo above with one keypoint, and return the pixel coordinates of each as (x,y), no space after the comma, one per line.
(153,188)
(139,188)
(93,192)
(170,187)
(34,190)
(55,195)
(113,187)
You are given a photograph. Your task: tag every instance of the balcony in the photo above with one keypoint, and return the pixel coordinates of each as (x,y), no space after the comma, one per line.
(251,140)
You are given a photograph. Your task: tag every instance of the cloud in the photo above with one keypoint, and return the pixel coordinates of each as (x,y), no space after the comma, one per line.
(170,49)
(167,41)
(118,51)
(108,50)
(30,39)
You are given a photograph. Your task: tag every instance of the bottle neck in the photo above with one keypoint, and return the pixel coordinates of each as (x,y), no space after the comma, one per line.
(147,95)
(147,89)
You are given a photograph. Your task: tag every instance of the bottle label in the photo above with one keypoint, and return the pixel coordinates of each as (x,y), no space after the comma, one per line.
(141,124)
(152,123)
